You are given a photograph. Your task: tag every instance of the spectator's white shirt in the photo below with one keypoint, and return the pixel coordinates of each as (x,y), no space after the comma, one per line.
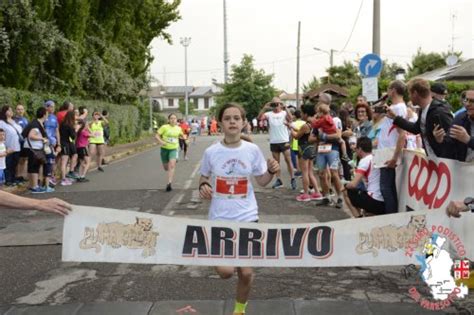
(35,144)
(278,130)
(230,171)
(411,138)
(255,122)
(388,134)
(372,176)
(12,138)
(3,149)
(338,122)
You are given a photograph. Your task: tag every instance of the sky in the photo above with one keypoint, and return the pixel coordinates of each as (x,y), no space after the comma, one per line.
(267,29)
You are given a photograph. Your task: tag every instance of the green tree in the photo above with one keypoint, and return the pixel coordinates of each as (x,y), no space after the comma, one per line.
(191,107)
(424,62)
(311,85)
(248,86)
(346,75)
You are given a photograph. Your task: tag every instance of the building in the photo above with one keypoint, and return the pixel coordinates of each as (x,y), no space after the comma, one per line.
(290,99)
(167,98)
(460,72)
(337,92)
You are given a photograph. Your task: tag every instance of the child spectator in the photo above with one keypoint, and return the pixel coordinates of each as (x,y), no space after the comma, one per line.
(3,154)
(327,125)
(82,143)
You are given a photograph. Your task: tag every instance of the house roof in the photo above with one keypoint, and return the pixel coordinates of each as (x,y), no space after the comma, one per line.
(463,71)
(332,89)
(178,89)
(286,97)
(201,91)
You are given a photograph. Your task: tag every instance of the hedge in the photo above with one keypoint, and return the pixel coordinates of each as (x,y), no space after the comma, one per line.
(126,121)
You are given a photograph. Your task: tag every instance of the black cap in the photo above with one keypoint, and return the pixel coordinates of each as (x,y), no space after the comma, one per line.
(439,88)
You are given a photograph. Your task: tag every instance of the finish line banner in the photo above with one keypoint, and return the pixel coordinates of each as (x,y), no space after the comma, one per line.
(424,183)
(119,236)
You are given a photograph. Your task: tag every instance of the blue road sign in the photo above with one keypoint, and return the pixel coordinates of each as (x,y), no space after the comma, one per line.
(370,65)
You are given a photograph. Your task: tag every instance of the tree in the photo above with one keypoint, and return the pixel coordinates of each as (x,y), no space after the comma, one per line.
(311,85)
(248,87)
(191,107)
(424,62)
(346,75)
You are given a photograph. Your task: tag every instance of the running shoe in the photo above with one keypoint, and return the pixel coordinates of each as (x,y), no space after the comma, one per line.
(277,184)
(316,196)
(53,182)
(37,190)
(325,202)
(294,185)
(339,203)
(168,187)
(72,175)
(303,197)
(82,180)
(298,174)
(48,189)
(66,182)
(310,191)
(100,169)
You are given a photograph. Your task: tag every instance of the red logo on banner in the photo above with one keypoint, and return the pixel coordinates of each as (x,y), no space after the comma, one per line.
(418,185)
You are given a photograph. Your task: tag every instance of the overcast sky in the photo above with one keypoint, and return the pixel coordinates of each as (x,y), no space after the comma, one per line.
(267,29)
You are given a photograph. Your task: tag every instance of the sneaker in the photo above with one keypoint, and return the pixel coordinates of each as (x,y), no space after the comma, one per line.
(293,184)
(66,182)
(316,196)
(48,189)
(310,191)
(339,203)
(82,180)
(325,202)
(100,169)
(72,175)
(37,190)
(303,197)
(277,184)
(298,174)
(168,187)
(53,182)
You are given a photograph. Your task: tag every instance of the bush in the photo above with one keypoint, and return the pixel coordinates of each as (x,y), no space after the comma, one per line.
(126,122)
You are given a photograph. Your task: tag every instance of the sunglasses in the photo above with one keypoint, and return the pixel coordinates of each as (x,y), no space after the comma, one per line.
(468,100)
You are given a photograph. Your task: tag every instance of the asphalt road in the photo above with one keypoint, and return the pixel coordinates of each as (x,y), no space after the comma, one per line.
(35,274)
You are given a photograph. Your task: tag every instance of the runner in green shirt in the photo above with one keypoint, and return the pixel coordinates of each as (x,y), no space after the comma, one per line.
(168,137)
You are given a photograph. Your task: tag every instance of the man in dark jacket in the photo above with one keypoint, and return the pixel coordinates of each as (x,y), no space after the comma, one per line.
(433,113)
(460,142)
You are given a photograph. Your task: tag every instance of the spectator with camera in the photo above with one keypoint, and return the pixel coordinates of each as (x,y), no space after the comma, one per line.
(279,119)
(459,142)
(370,200)
(434,115)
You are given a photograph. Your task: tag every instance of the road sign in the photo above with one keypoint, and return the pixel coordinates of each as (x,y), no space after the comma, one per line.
(370,65)
(370,89)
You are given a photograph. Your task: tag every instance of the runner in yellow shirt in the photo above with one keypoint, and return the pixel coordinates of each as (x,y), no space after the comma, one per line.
(168,137)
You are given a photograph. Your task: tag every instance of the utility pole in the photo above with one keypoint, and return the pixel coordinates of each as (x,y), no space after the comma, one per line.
(331,59)
(376,29)
(298,67)
(185,41)
(226,55)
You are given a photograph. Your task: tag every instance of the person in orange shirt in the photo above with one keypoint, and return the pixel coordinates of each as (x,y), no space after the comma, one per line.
(184,140)
(213,130)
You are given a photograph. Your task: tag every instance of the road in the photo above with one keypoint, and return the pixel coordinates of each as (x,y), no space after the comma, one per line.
(32,272)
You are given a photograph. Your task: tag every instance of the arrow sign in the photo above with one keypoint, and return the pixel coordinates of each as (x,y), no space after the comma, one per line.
(370,65)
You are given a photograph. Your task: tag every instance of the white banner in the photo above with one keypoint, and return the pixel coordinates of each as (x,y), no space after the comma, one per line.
(424,183)
(107,235)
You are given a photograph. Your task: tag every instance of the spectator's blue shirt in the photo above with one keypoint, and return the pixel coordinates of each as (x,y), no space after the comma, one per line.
(22,121)
(50,125)
(462,110)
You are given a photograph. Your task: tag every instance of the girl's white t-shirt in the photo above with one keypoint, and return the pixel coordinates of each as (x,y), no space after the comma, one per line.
(230,171)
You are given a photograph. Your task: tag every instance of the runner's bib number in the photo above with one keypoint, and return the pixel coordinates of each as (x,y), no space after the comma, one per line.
(324,148)
(171,140)
(231,187)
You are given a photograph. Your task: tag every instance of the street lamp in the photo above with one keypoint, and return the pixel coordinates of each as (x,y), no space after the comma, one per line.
(185,41)
(331,58)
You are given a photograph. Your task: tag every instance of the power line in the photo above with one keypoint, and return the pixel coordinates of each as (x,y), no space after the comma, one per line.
(353,27)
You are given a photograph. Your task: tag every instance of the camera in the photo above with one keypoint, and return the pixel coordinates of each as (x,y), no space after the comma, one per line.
(380,109)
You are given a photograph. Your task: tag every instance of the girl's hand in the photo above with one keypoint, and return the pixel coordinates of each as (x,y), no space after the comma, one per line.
(272,166)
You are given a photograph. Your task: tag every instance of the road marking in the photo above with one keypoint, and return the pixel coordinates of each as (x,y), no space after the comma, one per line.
(169,206)
(187,184)
(195,170)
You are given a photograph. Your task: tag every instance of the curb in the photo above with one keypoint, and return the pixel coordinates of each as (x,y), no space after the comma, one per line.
(109,158)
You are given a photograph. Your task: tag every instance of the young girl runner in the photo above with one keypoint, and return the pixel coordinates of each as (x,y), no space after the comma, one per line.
(97,141)
(234,160)
(82,143)
(168,137)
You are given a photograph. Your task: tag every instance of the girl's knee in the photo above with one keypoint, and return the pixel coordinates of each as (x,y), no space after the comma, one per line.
(246,275)
(225,272)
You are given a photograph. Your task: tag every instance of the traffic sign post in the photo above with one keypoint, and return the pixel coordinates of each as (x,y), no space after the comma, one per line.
(370,65)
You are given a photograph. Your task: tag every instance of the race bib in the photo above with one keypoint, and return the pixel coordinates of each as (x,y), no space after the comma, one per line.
(231,187)
(97,134)
(171,140)
(324,148)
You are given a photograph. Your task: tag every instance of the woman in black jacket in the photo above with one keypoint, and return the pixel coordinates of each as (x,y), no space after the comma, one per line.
(67,133)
